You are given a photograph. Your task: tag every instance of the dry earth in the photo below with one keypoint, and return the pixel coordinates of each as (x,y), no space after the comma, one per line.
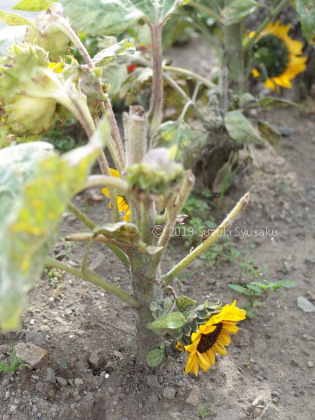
(269,370)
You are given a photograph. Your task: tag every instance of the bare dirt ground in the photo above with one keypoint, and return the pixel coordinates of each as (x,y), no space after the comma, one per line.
(269,370)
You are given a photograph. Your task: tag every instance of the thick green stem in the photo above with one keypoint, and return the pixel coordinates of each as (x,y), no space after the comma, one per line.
(274,12)
(156,107)
(234,57)
(94,278)
(146,290)
(240,206)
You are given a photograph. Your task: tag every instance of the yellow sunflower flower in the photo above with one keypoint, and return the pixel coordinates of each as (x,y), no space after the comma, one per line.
(212,337)
(121,203)
(277,56)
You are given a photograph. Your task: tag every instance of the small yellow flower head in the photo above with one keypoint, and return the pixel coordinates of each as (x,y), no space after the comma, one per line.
(212,337)
(121,202)
(277,57)
(49,35)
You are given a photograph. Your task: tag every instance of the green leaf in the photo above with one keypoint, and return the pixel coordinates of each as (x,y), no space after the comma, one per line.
(184,302)
(189,141)
(241,129)
(155,357)
(171,321)
(306,12)
(13,19)
(237,288)
(33,5)
(99,17)
(122,48)
(270,133)
(237,11)
(269,102)
(35,191)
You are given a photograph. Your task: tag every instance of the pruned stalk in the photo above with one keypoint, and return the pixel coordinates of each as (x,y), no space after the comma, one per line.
(174,272)
(135,126)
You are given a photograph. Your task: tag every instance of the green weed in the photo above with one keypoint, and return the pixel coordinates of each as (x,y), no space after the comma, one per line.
(12,363)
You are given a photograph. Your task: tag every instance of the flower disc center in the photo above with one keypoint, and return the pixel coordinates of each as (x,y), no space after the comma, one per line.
(271,56)
(208,340)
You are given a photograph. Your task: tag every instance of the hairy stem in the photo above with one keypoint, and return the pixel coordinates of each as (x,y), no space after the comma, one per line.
(94,278)
(106,181)
(240,206)
(156,106)
(91,225)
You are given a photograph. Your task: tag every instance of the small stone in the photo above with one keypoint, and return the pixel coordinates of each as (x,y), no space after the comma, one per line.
(270,413)
(5,382)
(310,364)
(118,354)
(152,381)
(153,398)
(63,362)
(294,362)
(50,377)
(169,393)
(258,401)
(31,354)
(193,397)
(242,338)
(7,395)
(45,329)
(35,337)
(275,394)
(160,379)
(305,304)
(275,400)
(61,381)
(61,321)
(78,382)
(310,260)
(96,359)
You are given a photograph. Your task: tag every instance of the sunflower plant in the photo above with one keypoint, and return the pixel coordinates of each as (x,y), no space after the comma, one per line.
(146,188)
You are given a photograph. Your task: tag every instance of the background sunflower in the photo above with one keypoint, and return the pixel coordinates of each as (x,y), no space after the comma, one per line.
(277,57)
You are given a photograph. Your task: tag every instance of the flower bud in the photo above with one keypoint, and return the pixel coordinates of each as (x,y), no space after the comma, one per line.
(49,35)
(156,173)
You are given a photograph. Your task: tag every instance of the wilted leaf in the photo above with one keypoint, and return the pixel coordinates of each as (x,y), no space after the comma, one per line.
(241,129)
(32,5)
(223,178)
(171,321)
(121,48)
(35,191)
(184,302)
(99,17)
(306,12)
(269,102)
(270,133)
(13,19)
(237,11)
(124,232)
(155,357)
